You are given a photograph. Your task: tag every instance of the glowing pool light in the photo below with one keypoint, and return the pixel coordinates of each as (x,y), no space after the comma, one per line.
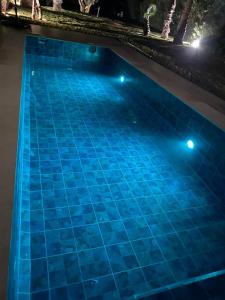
(195,44)
(122,78)
(190,144)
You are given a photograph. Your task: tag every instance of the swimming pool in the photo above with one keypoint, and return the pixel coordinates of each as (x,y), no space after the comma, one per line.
(110,202)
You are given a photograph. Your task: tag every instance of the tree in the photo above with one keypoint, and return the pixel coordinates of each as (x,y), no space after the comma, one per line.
(181,28)
(57,5)
(197,22)
(36,10)
(168,19)
(85,5)
(151,11)
(4,4)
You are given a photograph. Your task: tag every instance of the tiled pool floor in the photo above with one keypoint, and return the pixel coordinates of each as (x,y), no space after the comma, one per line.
(109,215)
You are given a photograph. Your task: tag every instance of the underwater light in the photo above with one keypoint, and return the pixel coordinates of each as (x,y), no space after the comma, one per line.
(122,78)
(190,144)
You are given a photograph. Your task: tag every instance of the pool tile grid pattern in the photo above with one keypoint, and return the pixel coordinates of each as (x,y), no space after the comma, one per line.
(180,122)
(105,213)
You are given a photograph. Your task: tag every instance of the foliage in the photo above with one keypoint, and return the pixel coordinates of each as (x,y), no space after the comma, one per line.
(151,11)
(197,21)
(182,25)
(215,18)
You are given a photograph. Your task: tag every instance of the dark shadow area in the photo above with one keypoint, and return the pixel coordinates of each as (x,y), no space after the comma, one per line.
(209,289)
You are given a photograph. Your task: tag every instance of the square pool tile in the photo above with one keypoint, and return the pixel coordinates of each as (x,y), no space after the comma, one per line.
(54,198)
(128,208)
(180,220)
(56,218)
(36,220)
(106,211)
(102,288)
(69,292)
(82,215)
(183,268)
(131,283)
(113,176)
(137,228)
(87,237)
(78,196)
(74,180)
(147,251)
(90,164)
(149,205)
(158,275)
(120,191)
(122,257)
(171,246)
(52,181)
(113,232)
(71,165)
(63,270)
(39,275)
(37,245)
(159,224)
(38,296)
(100,193)
(94,263)
(194,241)
(60,241)
(24,280)
(35,200)
(94,178)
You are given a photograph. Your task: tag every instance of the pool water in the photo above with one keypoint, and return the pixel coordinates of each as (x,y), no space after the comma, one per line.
(108,202)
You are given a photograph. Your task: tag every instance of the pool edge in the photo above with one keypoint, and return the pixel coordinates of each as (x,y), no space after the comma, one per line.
(11,70)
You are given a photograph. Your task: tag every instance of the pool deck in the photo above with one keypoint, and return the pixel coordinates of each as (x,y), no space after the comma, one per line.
(11,57)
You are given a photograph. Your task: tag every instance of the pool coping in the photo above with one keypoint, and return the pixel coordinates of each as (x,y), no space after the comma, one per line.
(11,61)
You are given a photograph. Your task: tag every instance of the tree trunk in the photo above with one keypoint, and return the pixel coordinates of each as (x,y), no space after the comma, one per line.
(16,11)
(36,10)
(82,6)
(4,6)
(85,5)
(168,19)
(57,5)
(148,26)
(87,8)
(181,28)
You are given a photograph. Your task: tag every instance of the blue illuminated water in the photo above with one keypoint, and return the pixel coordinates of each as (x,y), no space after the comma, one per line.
(110,202)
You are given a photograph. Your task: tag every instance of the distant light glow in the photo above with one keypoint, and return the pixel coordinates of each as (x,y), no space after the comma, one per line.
(195,43)
(190,144)
(122,78)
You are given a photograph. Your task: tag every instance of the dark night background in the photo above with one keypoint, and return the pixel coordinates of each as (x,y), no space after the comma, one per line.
(108,8)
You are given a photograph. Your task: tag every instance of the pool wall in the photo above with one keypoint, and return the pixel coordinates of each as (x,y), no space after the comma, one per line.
(20,243)
(74,55)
